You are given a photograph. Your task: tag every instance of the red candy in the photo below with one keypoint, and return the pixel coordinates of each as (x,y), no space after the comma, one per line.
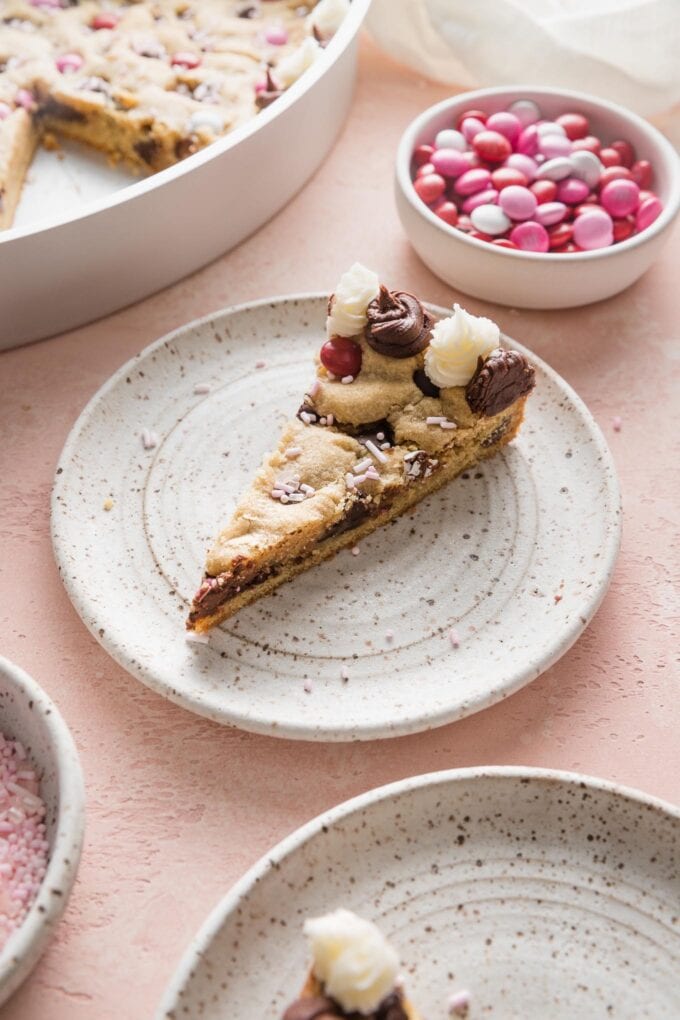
(545,191)
(613,173)
(506,176)
(560,235)
(105,19)
(574,124)
(492,146)
(626,152)
(642,173)
(476,114)
(430,187)
(447,211)
(341,356)
(422,154)
(590,142)
(609,157)
(504,242)
(623,228)
(425,169)
(187,60)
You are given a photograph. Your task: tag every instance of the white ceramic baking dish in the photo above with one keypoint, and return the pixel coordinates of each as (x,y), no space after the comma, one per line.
(119,249)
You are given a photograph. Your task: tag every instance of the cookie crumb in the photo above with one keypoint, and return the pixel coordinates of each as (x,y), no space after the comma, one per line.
(108,503)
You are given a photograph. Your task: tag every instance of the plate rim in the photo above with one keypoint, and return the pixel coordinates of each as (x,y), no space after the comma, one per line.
(272,858)
(308,730)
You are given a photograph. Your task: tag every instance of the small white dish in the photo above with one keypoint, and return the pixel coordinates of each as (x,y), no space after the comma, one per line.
(28,715)
(515,555)
(97,254)
(531,279)
(542,893)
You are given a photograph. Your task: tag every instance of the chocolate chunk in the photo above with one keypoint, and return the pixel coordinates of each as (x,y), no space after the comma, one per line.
(418,464)
(185,147)
(398,325)
(498,382)
(247,12)
(270,92)
(147,150)
(425,384)
(318,1008)
(53,108)
(497,434)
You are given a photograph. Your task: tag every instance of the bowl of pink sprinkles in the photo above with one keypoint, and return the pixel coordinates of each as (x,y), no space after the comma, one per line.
(42,815)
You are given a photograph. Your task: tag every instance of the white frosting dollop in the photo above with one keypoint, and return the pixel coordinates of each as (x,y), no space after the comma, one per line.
(328,15)
(456,343)
(353,960)
(353,294)
(292,67)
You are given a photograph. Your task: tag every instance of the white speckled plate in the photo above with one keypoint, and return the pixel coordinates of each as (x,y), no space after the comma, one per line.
(515,556)
(544,894)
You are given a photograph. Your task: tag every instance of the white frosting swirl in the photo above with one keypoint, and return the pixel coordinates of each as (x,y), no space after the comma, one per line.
(328,15)
(353,294)
(293,66)
(352,959)
(456,343)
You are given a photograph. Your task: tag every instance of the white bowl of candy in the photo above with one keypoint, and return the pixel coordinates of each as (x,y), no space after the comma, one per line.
(536,197)
(42,816)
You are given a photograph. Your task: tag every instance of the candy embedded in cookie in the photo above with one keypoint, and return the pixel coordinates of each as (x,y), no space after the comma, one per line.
(400,405)
(354,973)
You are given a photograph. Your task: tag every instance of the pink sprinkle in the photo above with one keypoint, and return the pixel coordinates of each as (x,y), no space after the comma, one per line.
(389,635)
(434,419)
(358,479)
(346,379)
(447,424)
(350,481)
(378,454)
(149,439)
(331,376)
(617,423)
(459,1004)
(344,673)
(69,62)
(355,551)
(314,389)
(25,98)
(308,686)
(201,388)
(380,436)
(454,638)
(22,837)
(330,419)
(260,364)
(276,35)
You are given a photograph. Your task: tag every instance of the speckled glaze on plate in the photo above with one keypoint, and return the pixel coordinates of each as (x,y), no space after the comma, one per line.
(515,555)
(28,715)
(544,894)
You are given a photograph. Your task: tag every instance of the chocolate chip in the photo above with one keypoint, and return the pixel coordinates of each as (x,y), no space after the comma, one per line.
(147,150)
(317,1008)
(425,384)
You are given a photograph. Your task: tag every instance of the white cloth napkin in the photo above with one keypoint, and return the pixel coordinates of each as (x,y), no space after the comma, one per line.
(627,51)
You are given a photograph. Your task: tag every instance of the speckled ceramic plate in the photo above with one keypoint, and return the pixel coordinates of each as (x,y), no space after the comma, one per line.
(515,556)
(543,894)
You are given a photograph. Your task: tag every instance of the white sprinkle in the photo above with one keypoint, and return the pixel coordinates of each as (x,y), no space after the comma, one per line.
(362,465)
(330,419)
(384,446)
(322,421)
(314,389)
(292,452)
(260,364)
(459,1004)
(381,436)
(149,439)
(454,638)
(355,551)
(277,493)
(389,635)
(296,497)
(346,379)
(308,489)
(358,479)
(308,686)
(435,419)
(447,425)
(307,418)
(192,638)
(372,473)
(201,388)
(378,454)
(344,673)
(412,455)
(284,498)
(349,479)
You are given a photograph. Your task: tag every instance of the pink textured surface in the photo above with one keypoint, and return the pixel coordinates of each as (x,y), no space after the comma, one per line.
(178,807)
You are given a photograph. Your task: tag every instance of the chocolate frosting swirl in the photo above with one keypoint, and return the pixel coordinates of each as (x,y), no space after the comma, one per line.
(499,380)
(398,325)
